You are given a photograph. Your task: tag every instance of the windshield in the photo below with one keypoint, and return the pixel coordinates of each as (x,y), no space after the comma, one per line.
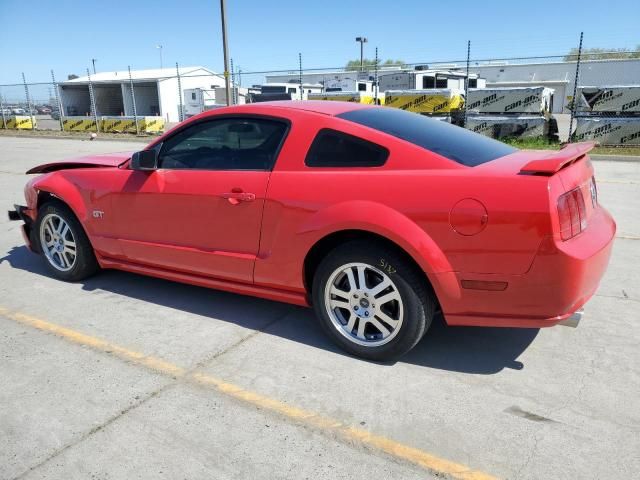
(455,143)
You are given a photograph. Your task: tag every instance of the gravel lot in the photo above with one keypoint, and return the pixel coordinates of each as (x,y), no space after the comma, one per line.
(124,376)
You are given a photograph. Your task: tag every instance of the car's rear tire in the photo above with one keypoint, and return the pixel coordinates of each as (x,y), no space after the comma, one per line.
(382,319)
(66,250)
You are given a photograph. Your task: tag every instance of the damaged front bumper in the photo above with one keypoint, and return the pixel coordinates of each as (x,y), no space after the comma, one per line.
(21,212)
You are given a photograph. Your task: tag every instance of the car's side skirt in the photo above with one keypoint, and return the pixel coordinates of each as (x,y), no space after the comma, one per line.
(295,298)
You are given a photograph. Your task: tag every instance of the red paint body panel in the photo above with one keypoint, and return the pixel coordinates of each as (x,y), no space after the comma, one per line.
(92,161)
(177,224)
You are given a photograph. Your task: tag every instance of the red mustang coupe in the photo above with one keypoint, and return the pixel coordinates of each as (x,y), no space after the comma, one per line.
(375,216)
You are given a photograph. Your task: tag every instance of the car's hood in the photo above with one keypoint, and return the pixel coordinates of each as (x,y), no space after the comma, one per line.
(90,161)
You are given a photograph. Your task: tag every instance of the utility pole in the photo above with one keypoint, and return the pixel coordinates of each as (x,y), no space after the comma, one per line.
(362,41)
(300,75)
(159,47)
(225,51)
(93,61)
(233,83)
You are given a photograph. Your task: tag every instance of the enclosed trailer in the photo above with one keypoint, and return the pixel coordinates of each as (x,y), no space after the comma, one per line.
(511,126)
(609,131)
(196,100)
(624,99)
(428,79)
(356,97)
(534,100)
(285,91)
(349,85)
(432,101)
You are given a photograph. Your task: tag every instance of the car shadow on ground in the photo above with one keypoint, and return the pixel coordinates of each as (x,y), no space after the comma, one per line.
(462,349)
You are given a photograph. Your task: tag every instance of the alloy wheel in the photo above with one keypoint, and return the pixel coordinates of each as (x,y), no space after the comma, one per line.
(58,243)
(364,304)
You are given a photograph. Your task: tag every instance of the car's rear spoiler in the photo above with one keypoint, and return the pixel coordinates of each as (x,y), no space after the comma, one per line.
(556,161)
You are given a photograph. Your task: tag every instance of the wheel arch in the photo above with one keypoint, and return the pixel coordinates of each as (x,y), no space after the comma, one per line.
(376,221)
(56,187)
(329,242)
(44,196)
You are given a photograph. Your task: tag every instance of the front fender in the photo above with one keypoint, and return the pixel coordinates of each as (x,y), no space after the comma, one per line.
(65,190)
(382,220)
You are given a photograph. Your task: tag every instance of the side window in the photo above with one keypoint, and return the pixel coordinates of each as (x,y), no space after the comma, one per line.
(473,83)
(331,148)
(428,82)
(442,82)
(224,144)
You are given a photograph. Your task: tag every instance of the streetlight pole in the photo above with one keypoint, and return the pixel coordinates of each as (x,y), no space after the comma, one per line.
(159,47)
(93,61)
(362,41)
(225,51)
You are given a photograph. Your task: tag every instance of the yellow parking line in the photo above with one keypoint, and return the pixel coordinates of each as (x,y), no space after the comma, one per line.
(351,434)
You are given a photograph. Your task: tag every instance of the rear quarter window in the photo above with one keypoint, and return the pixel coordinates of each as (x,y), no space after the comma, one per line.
(332,148)
(452,142)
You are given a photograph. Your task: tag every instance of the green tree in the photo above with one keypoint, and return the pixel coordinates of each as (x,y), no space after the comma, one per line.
(602,53)
(370,64)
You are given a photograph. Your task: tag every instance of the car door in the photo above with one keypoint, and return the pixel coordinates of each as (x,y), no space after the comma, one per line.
(201,211)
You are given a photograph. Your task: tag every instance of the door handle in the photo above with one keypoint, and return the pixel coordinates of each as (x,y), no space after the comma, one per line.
(235,198)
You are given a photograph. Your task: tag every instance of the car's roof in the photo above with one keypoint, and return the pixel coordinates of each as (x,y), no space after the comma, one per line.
(317,106)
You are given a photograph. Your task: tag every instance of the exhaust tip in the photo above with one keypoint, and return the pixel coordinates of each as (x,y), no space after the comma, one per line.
(573,320)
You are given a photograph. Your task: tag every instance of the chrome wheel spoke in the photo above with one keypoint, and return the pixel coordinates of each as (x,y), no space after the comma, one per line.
(383,285)
(394,295)
(381,328)
(361,326)
(339,293)
(351,279)
(337,303)
(387,319)
(63,260)
(66,254)
(362,284)
(64,229)
(352,322)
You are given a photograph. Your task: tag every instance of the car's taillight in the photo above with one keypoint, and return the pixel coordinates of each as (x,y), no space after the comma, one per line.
(572,213)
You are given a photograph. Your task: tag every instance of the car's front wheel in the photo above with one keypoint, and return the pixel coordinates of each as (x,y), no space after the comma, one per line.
(67,252)
(371,300)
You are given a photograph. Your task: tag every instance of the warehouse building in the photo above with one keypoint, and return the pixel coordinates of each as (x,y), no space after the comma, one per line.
(559,76)
(156,92)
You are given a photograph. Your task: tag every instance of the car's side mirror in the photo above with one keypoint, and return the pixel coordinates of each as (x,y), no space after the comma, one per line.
(144,160)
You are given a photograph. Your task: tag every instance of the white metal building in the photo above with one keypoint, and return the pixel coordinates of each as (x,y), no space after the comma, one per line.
(557,75)
(156,92)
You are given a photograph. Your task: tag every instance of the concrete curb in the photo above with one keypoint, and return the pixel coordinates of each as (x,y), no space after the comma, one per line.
(84,139)
(615,158)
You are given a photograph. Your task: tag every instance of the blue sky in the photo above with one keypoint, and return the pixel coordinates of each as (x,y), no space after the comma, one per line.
(40,35)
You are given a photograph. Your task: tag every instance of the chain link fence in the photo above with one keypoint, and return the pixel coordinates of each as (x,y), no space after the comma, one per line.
(526,100)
